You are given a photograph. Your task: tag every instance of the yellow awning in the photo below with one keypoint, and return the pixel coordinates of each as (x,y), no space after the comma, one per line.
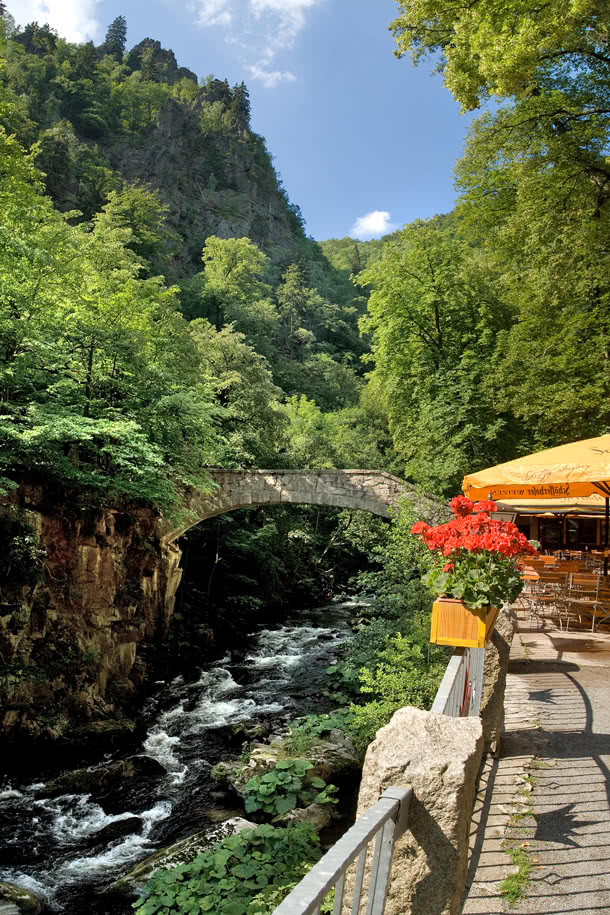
(569,471)
(586,505)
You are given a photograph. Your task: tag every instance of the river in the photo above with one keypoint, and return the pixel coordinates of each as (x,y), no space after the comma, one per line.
(48,845)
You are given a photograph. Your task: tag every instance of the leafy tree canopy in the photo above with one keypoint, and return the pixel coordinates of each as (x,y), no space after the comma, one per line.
(507,48)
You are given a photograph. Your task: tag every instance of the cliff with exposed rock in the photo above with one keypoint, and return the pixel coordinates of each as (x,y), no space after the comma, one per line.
(85,588)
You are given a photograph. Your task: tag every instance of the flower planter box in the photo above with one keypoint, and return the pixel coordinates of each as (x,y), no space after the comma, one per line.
(454,624)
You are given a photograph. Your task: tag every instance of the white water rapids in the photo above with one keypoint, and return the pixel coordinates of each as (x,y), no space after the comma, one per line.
(48,845)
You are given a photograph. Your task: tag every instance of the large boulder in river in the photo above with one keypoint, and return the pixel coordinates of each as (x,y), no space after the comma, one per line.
(14,900)
(116,830)
(180,853)
(331,757)
(89,780)
(105,731)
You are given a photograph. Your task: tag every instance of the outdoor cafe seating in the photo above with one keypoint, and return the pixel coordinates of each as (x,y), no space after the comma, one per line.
(566,592)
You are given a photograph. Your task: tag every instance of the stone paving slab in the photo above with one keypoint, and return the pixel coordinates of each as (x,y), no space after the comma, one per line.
(550,791)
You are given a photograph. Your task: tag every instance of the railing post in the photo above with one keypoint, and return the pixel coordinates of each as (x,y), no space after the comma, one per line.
(477,673)
(386,822)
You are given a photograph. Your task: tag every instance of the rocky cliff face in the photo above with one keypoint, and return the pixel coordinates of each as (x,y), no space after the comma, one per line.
(214,175)
(69,633)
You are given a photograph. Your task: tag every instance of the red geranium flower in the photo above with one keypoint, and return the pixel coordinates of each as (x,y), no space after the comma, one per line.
(487,505)
(481,553)
(461,506)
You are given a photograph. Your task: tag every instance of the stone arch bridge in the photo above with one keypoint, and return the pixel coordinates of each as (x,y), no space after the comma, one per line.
(373,491)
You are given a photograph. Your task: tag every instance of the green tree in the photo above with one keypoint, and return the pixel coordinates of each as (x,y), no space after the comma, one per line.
(116,37)
(37,39)
(252,421)
(141,210)
(308,437)
(530,200)
(434,317)
(235,289)
(507,48)
(100,381)
(536,193)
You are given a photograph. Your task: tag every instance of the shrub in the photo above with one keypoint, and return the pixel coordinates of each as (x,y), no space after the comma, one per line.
(305,732)
(285,787)
(406,674)
(226,879)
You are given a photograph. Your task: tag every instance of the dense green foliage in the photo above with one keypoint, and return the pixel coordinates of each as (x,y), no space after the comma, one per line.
(239,876)
(535,206)
(100,379)
(114,381)
(434,315)
(288,785)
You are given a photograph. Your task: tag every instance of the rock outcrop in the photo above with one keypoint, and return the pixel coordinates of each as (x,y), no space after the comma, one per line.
(14,900)
(101,778)
(69,636)
(438,757)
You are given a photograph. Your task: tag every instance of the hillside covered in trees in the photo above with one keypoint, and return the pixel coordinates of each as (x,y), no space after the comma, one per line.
(163,309)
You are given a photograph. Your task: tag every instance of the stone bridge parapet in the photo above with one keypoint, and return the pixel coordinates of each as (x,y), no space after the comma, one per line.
(372,491)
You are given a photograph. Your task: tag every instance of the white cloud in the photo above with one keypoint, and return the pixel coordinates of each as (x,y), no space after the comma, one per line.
(270,78)
(262,27)
(213,12)
(372,225)
(74,20)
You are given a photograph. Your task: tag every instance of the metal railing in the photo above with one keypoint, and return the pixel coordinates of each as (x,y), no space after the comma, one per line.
(386,822)
(459,695)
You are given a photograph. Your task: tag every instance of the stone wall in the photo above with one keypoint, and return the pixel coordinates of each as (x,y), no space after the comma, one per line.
(439,758)
(497,652)
(368,490)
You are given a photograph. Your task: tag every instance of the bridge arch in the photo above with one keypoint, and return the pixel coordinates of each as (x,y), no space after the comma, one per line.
(373,491)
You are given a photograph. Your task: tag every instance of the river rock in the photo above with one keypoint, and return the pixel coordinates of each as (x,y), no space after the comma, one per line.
(147,765)
(330,757)
(106,731)
(89,780)
(14,900)
(117,830)
(318,816)
(180,853)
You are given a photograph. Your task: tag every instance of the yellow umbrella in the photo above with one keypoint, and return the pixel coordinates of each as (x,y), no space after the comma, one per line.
(566,472)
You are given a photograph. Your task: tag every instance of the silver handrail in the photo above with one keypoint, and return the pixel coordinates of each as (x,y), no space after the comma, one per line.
(459,695)
(386,822)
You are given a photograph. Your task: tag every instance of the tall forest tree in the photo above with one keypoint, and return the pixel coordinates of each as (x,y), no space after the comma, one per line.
(434,316)
(116,38)
(535,179)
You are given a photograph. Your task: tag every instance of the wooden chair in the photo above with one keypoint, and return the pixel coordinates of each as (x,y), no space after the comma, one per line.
(583,597)
(548,596)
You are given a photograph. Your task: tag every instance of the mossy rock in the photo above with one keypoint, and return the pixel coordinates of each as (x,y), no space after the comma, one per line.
(181,852)
(333,756)
(14,900)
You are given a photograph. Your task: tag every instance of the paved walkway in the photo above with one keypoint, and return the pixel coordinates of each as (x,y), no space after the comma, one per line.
(548,797)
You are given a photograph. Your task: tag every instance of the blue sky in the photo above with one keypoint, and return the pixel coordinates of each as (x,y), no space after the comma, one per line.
(363,142)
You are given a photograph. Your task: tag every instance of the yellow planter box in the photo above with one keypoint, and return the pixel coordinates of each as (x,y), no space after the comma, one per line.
(454,624)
